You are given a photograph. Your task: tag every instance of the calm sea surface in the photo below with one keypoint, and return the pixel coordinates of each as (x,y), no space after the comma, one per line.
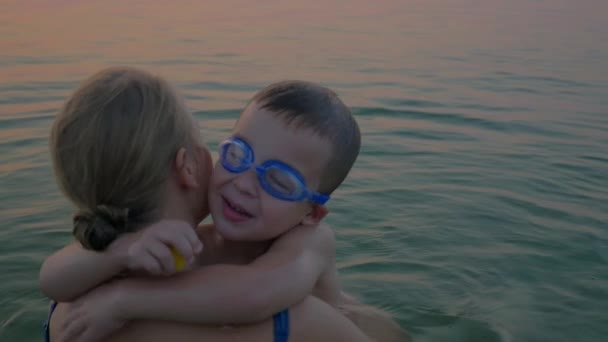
(478,209)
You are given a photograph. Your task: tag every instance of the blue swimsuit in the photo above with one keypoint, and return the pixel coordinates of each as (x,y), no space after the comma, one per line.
(47,324)
(281,325)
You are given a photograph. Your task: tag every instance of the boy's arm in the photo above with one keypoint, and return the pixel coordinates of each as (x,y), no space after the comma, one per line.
(219,294)
(73,270)
(314,269)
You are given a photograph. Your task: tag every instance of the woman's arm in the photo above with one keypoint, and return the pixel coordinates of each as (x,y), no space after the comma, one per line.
(73,270)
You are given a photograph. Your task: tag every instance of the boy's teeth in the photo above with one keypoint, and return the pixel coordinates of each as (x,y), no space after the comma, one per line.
(237,209)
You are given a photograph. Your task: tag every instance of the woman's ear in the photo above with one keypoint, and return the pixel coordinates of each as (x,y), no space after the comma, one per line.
(316,214)
(185,168)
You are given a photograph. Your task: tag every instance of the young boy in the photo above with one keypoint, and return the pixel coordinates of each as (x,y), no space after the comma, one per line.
(291,148)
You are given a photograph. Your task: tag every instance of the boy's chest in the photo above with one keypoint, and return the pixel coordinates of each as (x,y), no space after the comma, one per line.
(215,251)
(223,256)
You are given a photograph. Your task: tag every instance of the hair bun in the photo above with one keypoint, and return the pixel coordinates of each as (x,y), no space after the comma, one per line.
(97,229)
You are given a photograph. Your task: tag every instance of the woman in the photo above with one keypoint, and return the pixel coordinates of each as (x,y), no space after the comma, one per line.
(127,153)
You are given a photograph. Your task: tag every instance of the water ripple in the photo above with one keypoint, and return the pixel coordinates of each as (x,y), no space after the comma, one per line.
(463,120)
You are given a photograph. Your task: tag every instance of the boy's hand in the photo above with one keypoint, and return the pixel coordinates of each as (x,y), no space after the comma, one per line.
(152,249)
(93,317)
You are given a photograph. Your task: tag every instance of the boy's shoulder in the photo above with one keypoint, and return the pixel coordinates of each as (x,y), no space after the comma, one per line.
(325,240)
(325,232)
(319,238)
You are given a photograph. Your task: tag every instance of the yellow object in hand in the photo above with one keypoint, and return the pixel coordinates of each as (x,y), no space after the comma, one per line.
(179,260)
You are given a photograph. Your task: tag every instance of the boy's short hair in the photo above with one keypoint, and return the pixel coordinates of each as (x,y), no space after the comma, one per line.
(308,105)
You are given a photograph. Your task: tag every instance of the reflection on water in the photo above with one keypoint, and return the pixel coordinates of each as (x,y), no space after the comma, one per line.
(477,209)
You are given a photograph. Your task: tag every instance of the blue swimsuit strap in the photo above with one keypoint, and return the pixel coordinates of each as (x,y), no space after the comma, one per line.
(281,326)
(47,324)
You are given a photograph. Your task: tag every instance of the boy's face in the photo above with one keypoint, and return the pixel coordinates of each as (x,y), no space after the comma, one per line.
(241,208)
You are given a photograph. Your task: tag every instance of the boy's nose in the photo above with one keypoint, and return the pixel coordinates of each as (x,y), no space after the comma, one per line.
(245,183)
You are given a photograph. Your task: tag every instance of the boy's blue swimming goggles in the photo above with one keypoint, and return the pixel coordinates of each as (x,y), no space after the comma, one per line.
(277,178)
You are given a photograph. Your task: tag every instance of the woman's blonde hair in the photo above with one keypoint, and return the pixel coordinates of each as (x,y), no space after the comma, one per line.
(113,146)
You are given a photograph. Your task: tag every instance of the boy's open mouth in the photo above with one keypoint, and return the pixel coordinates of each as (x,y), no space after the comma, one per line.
(234,212)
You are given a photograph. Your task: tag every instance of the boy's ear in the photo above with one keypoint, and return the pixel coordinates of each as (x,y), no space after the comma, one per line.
(316,214)
(185,168)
